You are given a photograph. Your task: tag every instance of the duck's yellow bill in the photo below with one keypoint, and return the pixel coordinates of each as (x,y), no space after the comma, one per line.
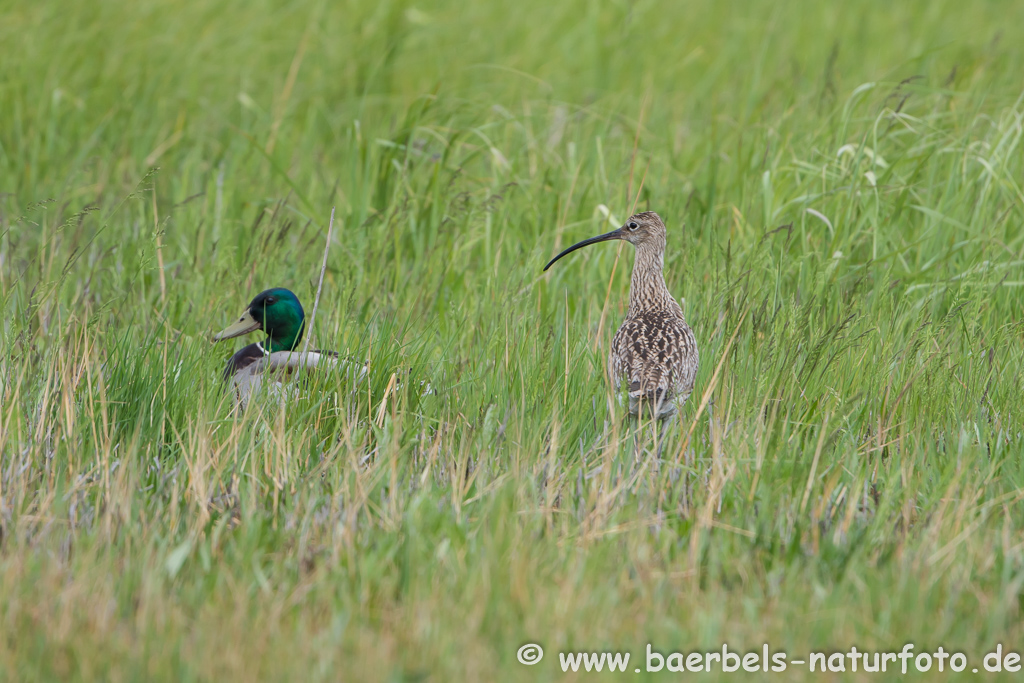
(245,325)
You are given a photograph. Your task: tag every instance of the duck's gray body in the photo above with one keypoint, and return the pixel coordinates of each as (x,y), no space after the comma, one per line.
(252,366)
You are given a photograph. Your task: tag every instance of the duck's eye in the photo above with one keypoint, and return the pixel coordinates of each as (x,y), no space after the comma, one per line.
(270,300)
(632,225)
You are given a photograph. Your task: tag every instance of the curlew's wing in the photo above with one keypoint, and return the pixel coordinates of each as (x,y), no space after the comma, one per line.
(656,353)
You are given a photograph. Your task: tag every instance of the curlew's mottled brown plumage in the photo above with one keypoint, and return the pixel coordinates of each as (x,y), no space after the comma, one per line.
(654,351)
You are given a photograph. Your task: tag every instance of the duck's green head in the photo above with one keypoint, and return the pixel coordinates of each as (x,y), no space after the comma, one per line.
(275,311)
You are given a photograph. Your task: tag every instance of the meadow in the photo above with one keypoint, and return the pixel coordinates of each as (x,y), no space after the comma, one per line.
(843,185)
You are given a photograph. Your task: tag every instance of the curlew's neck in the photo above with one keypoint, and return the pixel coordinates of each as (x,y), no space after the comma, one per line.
(647,290)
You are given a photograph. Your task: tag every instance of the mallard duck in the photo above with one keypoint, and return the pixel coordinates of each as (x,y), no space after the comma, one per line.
(278,313)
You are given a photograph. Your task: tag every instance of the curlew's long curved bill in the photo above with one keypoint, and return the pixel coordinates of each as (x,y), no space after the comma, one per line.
(245,324)
(613,235)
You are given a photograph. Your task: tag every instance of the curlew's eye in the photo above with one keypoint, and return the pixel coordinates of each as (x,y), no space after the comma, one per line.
(632,225)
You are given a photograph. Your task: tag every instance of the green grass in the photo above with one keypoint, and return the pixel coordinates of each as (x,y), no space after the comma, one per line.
(843,188)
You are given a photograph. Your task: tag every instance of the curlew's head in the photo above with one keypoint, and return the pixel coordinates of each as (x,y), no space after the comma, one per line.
(643,230)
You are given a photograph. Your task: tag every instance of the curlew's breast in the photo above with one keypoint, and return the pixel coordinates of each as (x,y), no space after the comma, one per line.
(656,353)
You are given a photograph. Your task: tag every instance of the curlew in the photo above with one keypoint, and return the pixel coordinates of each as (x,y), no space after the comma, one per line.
(278,313)
(654,350)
